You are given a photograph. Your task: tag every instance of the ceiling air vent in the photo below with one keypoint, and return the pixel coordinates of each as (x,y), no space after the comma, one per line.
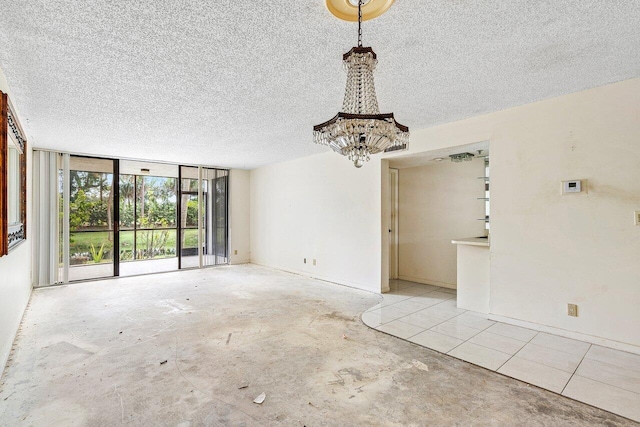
(396,148)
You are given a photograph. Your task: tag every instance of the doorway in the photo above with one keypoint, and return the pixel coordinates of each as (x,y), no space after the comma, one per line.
(444,197)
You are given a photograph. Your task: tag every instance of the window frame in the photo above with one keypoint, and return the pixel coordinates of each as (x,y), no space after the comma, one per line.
(11,237)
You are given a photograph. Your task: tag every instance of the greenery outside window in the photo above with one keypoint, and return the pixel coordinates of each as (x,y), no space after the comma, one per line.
(13,192)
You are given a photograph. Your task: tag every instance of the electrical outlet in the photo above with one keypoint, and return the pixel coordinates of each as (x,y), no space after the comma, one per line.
(572,310)
(235,252)
(305,260)
(636,217)
(314,261)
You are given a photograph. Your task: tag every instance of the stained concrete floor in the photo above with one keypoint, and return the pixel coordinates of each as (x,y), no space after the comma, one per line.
(196,347)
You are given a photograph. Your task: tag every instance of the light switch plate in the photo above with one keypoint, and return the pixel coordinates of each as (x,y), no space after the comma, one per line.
(636,217)
(572,310)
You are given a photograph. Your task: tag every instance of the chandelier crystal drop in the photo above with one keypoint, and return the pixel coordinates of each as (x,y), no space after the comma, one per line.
(359,130)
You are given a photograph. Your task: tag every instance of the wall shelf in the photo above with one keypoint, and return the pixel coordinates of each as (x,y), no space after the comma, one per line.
(485,199)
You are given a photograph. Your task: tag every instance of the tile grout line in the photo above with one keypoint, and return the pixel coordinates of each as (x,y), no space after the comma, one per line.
(405,299)
(596,381)
(407,315)
(437,324)
(464,341)
(455,317)
(424,329)
(559,351)
(429,329)
(429,306)
(576,370)
(545,364)
(467,340)
(518,351)
(555,349)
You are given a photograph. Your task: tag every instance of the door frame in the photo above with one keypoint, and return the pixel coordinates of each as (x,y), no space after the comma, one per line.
(66,215)
(394,223)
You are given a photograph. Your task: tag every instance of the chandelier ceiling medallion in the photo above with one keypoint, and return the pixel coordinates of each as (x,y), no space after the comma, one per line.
(359,130)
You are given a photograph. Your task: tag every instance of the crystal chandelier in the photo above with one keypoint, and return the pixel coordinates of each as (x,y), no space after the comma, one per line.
(359,130)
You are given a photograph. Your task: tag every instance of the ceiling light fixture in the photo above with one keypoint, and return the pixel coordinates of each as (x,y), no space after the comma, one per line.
(359,130)
(467,157)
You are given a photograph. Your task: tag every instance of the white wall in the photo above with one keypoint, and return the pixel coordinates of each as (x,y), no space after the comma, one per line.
(548,250)
(319,207)
(239,215)
(438,202)
(15,271)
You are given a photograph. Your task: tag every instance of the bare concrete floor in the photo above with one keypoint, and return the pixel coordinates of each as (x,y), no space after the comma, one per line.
(196,347)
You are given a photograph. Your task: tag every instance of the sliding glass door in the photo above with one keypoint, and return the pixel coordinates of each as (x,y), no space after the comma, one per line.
(124,217)
(148,217)
(203,216)
(90,218)
(218,251)
(190,216)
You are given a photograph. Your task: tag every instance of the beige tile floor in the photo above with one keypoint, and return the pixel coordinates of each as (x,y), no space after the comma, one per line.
(427,315)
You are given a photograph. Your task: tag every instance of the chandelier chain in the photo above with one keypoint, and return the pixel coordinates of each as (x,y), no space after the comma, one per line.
(359,23)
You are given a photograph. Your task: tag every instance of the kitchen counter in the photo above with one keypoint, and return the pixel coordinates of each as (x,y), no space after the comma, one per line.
(473,273)
(472,241)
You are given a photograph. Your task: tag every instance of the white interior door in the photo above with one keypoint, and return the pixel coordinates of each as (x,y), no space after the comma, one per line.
(393,224)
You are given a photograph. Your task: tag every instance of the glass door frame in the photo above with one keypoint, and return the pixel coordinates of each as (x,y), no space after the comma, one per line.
(208,214)
(66,215)
(214,214)
(200,226)
(208,197)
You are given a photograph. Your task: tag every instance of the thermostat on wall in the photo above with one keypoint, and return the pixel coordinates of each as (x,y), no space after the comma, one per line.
(574,186)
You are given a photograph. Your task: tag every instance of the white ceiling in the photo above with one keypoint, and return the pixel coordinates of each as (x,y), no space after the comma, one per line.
(241,83)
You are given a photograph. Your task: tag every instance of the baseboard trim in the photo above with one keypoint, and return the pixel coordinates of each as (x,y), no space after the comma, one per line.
(4,358)
(604,342)
(428,282)
(319,277)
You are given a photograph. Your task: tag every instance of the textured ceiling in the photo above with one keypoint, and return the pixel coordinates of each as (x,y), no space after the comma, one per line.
(240,83)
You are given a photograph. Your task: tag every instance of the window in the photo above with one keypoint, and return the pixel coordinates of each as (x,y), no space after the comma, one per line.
(13,195)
